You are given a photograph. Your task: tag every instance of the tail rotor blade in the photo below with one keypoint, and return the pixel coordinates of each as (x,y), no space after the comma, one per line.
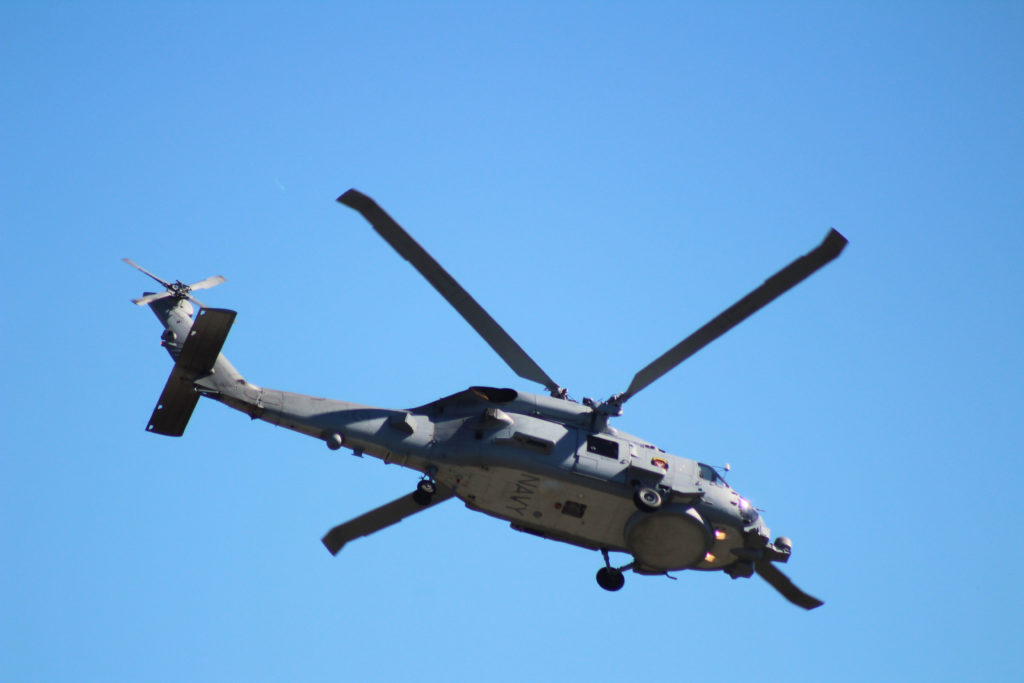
(149,298)
(178,290)
(133,264)
(208,282)
(196,301)
(780,582)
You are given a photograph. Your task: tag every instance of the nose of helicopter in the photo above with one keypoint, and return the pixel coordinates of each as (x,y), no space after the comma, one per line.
(748,513)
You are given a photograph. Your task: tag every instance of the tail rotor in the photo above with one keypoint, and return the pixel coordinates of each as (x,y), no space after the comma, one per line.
(177,289)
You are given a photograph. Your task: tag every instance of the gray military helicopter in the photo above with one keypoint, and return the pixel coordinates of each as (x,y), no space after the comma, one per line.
(550,466)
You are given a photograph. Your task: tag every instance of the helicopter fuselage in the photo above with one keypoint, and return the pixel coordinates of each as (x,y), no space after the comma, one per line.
(535,462)
(549,466)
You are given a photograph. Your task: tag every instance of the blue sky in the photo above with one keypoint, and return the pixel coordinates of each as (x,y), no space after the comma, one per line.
(604,178)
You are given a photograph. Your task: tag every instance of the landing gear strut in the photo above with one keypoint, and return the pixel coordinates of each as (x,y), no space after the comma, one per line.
(608,577)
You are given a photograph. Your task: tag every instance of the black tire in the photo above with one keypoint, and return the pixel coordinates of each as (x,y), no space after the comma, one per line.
(424,492)
(647,499)
(610,579)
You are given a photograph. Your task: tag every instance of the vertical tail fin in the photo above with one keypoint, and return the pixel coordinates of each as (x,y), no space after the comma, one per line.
(195,360)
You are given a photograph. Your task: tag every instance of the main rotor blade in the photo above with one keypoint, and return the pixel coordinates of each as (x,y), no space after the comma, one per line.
(212,281)
(133,264)
(773,287)
(379,518)
(780,582)
(452,291)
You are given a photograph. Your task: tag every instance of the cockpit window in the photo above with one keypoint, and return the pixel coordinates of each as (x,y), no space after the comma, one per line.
(708,472)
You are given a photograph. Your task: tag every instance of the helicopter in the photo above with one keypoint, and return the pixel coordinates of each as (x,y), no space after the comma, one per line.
(546,464)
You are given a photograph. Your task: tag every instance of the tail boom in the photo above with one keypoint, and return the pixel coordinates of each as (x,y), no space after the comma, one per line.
(201,370)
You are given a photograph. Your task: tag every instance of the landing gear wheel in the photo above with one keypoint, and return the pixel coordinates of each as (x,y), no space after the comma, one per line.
(647,499)
(424,492)
(610,579)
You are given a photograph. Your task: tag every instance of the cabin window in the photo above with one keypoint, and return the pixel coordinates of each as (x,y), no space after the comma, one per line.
(605,447)
(574,509)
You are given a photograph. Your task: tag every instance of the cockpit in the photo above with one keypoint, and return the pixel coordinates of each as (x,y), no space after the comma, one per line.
(747,512)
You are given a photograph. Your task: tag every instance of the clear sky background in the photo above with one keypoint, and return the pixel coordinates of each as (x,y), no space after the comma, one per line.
(604,178)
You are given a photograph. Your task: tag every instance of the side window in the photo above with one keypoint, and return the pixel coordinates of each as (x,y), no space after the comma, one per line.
(605,447)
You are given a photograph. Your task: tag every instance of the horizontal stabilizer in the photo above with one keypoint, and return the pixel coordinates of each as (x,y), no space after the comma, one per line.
(380,518)
(198,356)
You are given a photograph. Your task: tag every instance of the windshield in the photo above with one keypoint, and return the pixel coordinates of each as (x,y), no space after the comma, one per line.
(708,472)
